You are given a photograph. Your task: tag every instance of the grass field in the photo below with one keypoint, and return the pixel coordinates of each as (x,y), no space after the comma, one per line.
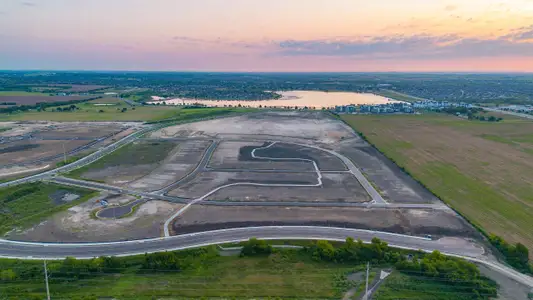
(89,112)
(285,275)
(398,96)
(21,93)
(28,204)
(483,170)
(140,152)
(401,286)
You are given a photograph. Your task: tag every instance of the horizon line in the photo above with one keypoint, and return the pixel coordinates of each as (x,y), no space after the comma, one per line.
(266,72)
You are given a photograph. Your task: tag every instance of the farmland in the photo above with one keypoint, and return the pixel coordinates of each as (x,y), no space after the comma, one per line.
(32,100)
(481,169)
(89,112)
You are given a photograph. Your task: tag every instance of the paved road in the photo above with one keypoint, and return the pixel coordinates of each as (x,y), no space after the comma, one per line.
(115,189)
(199,168)
(28,250)
(81,162)
(60,155)
(84,250)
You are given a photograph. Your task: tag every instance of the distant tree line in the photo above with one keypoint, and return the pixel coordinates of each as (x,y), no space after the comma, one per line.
(470,113)
(42,106)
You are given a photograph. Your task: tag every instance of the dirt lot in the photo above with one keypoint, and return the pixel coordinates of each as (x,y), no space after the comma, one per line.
(298,126)
(176,166)
(483,169)
(77,224)
(207,181)
(324,160)
(341,187)
(32,100)
(237,155)
(45,143)
(394,184)
(18,152)
(415,222)
(128,163)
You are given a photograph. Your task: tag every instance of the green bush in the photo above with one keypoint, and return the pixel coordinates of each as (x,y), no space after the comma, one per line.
(256,247)
(516,255)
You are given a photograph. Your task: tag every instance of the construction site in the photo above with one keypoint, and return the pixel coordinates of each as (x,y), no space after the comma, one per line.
(271,168)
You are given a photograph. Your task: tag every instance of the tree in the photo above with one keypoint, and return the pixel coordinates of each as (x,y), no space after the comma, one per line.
(7,275)
(256,247)
(101,111)
(124,109)
(323,250)
(492,119)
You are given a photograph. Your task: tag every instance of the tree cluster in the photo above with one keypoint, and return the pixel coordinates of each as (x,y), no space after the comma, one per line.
(516,255)
(256,247)
(450,271)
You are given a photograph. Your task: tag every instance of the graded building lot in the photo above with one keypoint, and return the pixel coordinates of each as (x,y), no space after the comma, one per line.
(237,155)
(325,161)
(177,165)
(128,163)
(37,145)
(340,187)
(79,224)
(404,221)
(205,182)
(22,151)
(482,169)
(393,184)
(290,125)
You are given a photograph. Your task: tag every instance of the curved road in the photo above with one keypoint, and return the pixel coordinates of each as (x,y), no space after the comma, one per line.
(458,248)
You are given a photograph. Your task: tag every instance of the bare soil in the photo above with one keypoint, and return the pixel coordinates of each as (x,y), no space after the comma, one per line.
(78,225)
(405,221)
(302,126)
(340,187)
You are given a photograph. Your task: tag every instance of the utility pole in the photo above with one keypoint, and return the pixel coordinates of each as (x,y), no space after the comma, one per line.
(64,154)
(366,288)
(46,281)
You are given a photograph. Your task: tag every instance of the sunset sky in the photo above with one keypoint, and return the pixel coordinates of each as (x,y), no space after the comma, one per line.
(267,35)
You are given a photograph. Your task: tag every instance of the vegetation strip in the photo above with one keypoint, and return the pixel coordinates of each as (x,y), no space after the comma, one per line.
(318,271)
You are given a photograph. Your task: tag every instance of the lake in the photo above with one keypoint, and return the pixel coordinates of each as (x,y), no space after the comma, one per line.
(295,98)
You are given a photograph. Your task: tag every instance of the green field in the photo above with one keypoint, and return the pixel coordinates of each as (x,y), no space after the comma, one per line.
(398,96)
(28,204)
(89,112)
(484,170)
(140,152)
(21,93)
(413,287)
(320,271)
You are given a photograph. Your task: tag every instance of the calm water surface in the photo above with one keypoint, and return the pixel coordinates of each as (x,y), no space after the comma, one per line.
(297,98)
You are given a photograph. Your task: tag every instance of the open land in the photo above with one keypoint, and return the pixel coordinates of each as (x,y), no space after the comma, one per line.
(406,221)
(129,163)
(259,169)
(26,205)
(34,99)
(34,147)
(81,224)
(482,169)
(89,112)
